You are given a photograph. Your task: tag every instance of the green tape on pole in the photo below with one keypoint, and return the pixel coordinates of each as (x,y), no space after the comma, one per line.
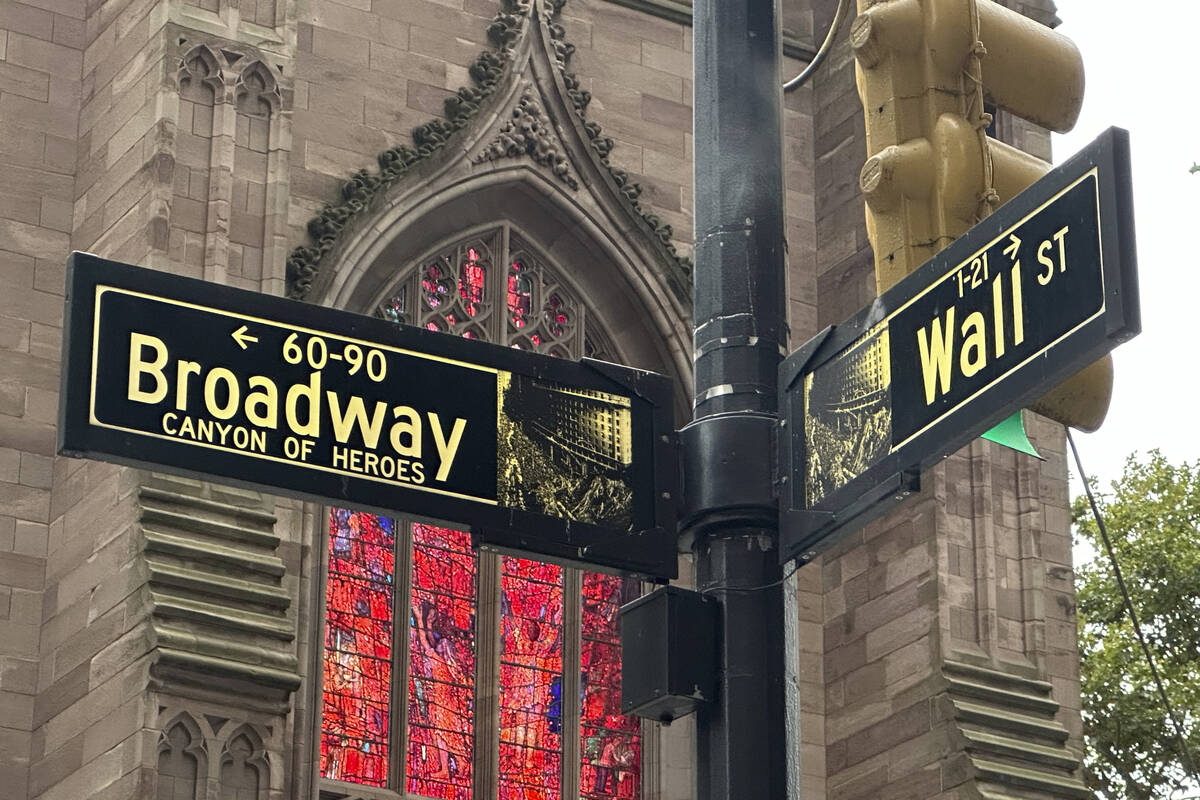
(1011,433)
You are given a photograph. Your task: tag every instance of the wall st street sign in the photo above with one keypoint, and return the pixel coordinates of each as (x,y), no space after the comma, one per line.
(567,460)
(1027,298)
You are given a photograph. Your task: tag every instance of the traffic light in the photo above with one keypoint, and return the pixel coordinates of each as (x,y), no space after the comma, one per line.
(925,69)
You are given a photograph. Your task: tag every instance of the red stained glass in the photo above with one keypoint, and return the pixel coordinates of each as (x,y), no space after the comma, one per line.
(441,683)
(358,648)
(435,284)
(471,281)
(556,316)
(610,763)
(520,295)
(530,680)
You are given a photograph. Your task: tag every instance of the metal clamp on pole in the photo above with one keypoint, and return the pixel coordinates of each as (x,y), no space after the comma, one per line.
(727,473)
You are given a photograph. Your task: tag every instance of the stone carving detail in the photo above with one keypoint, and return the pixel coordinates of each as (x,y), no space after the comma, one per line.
(186,771)
(304,262)
(603,145)
(219,609)
(1011,737)
(182,761)
(257,92)
(200,68)
(244,767)
(530,132)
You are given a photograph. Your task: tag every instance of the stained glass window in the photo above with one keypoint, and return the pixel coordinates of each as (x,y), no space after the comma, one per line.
(454,290)
(531,660)
(472,281)
(610,741)
(520,294)
(358,648)
(441,678)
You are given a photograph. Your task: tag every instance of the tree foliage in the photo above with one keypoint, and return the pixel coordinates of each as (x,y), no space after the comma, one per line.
(1153,519)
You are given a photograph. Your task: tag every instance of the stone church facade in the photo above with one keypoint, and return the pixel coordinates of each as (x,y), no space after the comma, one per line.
(518,171)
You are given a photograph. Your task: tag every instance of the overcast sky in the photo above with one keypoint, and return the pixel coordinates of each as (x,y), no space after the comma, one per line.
(1142,76)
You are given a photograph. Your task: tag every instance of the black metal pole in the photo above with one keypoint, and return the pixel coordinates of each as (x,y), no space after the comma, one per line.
(739,338)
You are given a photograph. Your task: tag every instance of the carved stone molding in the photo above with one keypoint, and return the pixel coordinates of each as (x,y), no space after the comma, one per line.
(602,145)
(205,752)
(360,190)
(530,132)
(1012,741)
(218,607)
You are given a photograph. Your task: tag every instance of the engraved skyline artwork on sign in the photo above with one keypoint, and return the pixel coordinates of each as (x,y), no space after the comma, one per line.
(848,419)
(564,451)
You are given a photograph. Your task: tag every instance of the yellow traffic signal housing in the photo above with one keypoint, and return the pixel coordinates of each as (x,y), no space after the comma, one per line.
(925,69)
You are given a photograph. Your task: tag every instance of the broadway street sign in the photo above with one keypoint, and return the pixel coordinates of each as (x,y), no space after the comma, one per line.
(568,460)
(1027,298)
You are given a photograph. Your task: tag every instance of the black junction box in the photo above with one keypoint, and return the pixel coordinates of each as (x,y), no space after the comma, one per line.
(668,653)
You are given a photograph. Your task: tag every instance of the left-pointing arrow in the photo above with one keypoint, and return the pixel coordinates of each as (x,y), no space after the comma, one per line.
(241,336)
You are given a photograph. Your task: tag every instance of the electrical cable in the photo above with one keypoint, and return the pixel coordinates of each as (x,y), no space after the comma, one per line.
(1185,751)
(765,586)
(823,51)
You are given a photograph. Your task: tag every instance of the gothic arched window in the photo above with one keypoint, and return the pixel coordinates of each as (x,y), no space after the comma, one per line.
(505,681)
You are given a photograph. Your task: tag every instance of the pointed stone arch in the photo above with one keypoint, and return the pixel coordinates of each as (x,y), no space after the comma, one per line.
(199,70)
(535,139)
(182,760)
(245,772)
(257,90)
(611,264)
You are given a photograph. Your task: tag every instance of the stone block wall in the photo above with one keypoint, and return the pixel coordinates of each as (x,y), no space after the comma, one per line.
(41,52)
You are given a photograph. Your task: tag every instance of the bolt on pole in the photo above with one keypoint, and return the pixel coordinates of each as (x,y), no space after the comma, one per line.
(740,336)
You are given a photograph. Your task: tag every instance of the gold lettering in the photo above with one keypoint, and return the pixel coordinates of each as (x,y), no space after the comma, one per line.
(935,365)
(1044,277)
(1061,238)
(1018,307)
(310,392)
(356,414)
(139,367)
(183,370)
(210,393)
(341,457)
(410,426)
(446,449)
(268,398)
(998,309)
(167,420)
(975,341)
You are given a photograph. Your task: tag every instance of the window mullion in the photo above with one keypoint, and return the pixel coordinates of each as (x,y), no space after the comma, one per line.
(571,712)
(401,611)
(487,678)
(500,285)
